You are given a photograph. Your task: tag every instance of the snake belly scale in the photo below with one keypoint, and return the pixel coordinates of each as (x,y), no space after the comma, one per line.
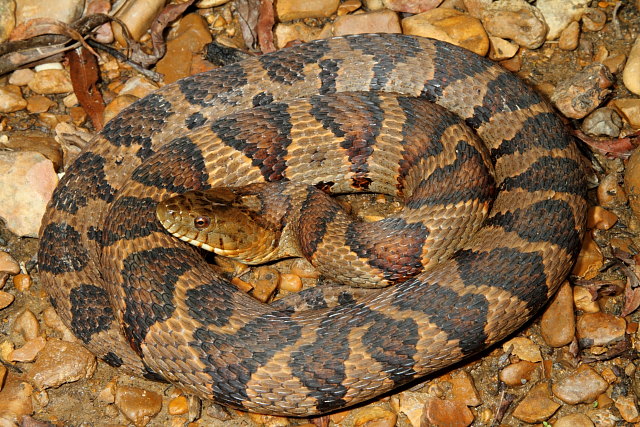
(142,300)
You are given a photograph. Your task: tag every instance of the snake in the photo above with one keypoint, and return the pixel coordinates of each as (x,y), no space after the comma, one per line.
(143,300)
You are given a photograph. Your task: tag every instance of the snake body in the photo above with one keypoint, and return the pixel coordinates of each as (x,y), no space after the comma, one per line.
(142,300)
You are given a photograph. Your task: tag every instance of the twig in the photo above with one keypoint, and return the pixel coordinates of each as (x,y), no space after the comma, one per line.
(615,21)
(156,77)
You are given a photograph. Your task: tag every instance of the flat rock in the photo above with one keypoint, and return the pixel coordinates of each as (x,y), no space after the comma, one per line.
(446,413)
(603,121)
(384,21)
(598,329)
(289,10)
(35,141)
(5,299)
(61,362)
(374,416)
(21,77)
(451,26)
(51,81)
(11,99)
(628,408)
(524,348)
(582,386)
(558,321)
(60,10)
(574,420)
(464,390)
(138,405)
(27,181)
(537,405)
(15,401)
(629,109)
(7,18)
(518,373)
(8,264)
(411,6)
(412,405)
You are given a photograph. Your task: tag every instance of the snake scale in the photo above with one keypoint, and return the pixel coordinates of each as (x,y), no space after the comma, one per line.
(141,299)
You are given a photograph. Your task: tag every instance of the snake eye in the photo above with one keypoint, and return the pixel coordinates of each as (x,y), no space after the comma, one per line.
(201,222)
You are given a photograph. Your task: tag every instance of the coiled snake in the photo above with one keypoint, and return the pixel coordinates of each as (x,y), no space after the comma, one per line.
(140,299)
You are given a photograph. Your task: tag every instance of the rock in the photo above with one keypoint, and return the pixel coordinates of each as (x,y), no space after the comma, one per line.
(8,264)
(536,405)
(292,31)
(516,20)
(569,37)
(524,348)
(628,408)
(11,99)
(374,416)
(303,268)
(603,121)
(7,19)
(411,6)
(206,4)
(574,420)
(138,405)
(27,180)
(412,405)
(290,283)
(265,283)
(178,406)
(558,14)
(583,92)
(441,413)
(65,11)
(137,16)
(51,81)
(5,299)
(451,26)
(558,322)
(631,73)
(39,104)
(15,401)
(629,109)
(26,325)
(191,37)
(599,329)
(35,141)
(517,374)
(614,63)
(632,182)
(464,390)
(583,300)
(21,77)
(582,386)
(61,362)
(593,19)
(29,351)
(289,10)
(501,49)
(384,21)
(600,218)
(52,320)
(348,6)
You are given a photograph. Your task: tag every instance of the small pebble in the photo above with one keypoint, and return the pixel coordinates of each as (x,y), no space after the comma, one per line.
(265,283)
(29,351)
(582,386)
(464,390)
(15,401)
(412,405)
(501,49)
(524,348)
(51,81)
(517,374)
(10,100)
(5,299)
(583,300)
(569,37)
(383,21)
(603,121)
(178,406)
(8,264)
(61,362)
(22,282)
(289,10)
(515,20)
(558,321)
(593,19)
(600,218)
(631,73)
(138,405)
(537,405)
(600,329)
(27,325)
(52,320)
(628,408)
(574,420)
(118,104)
(21,77)
(446,413)
(303,268)
(558,14)
(348,6)
(108,394)
(610,193)
(583,92)
(615,63)
(590,259)
(290,282)
(629,109)
(39,104)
